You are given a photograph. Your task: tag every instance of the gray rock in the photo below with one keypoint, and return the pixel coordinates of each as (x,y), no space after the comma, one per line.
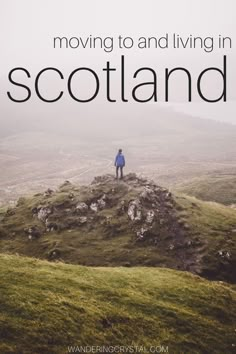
(82,207)
(101,202)
(82,219)
(134,210)
(94,207)
(224,254)
(150,217)
(141,233)
(43,213)
(148,194)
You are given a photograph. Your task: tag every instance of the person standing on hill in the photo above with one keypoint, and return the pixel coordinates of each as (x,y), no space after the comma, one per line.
(119,163)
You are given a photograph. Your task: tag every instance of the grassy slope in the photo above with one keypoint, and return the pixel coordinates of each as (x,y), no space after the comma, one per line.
(45,307)
(210,231)
(216,188)
(214,228)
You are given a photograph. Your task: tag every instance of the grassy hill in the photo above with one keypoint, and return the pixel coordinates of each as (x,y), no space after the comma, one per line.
(47,307)
(220,188)
(128,223)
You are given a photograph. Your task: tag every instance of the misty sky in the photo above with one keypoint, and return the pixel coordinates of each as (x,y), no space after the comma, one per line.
(27,29)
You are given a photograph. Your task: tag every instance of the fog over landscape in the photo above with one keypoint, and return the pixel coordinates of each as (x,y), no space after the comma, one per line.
(117,176)
(43,144)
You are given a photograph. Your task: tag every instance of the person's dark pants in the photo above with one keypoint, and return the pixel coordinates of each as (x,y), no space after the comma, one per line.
(121,171)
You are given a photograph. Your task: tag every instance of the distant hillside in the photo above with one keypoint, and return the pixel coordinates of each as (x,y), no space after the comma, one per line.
(51,308)
(220,188)
(50,146)
(172,131)
(123,223)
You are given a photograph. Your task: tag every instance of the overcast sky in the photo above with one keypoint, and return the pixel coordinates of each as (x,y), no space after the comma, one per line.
(27,29)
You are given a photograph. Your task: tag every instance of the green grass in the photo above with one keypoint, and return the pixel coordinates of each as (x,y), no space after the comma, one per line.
(209,230)
(213,229)
(216,188)
(206,217)
(46,307)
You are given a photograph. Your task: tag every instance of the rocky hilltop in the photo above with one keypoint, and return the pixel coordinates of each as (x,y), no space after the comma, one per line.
(113,222)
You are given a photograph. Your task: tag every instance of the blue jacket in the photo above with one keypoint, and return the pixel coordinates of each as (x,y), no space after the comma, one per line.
(120,160)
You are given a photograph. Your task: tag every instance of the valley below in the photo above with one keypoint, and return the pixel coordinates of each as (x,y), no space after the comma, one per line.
(32,162)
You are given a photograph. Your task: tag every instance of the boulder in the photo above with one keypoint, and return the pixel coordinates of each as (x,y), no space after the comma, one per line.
(82,207)
(43,213)
(134,210)
(150,217)
(82,220)
(101,202)
(94,207)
